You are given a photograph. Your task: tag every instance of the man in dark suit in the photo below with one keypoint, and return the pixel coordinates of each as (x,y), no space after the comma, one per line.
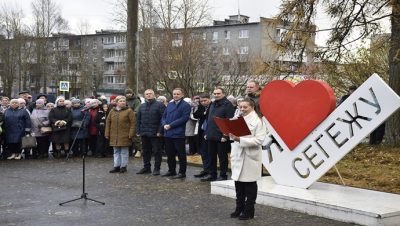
(218,143)
(174,121)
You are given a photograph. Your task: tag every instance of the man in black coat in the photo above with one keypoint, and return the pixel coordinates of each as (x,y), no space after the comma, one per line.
(202,114)
(148,127)
(218,143)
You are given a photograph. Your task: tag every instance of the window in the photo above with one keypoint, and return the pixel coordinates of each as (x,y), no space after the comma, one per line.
(120,65)
(120,53)
(204,35)
(110,53)
(244,34)
(121,38)
(119,79)
(227,34)
(244,50)
(109,40)
(110,67)
(109,79)
(215,37)
(225,51)
(65,42)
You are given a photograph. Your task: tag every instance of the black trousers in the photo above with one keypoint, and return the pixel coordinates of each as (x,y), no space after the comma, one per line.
(79,147)
(102,145)
(151,145)
(92,144)
(173,147)
(246,195)
(193,144)
(43,144)
(220,150)
(13,148)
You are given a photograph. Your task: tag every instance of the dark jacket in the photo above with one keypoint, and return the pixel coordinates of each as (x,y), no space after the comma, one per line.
(201,115)
(223,109)
(176,115)
(148,118)
(60,113)
(100,121)
(79,115)
(16,123)
(134,103)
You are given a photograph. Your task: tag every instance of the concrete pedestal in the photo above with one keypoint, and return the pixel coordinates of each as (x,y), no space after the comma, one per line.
(331,201)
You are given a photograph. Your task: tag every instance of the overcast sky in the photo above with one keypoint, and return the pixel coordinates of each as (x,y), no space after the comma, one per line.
(98,12)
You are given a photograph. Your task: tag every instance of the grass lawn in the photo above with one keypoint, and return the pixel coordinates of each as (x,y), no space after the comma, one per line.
(371,167)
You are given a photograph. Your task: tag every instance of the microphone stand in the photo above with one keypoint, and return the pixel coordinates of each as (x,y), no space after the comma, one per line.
(84,194)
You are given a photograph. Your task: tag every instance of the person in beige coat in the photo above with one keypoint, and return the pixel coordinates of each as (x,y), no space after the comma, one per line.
(120,131)
(246,161)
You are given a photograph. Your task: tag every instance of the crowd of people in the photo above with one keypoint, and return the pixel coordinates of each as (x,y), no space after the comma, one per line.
(95,127)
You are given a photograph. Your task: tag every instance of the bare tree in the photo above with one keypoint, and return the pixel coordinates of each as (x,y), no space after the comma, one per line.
(14,52)
(47,20)
(352,21)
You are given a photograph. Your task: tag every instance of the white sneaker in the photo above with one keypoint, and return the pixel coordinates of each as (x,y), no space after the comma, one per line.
(17,156)
(138,154)
(12,156)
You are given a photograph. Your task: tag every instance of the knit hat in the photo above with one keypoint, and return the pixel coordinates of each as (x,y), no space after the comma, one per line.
(119,98)
(76,101)
(94,102)
(59,98)
(112,97)
(128,91)
(161,99)
(40,101)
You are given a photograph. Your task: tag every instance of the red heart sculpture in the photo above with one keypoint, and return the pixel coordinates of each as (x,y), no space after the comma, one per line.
(295,110)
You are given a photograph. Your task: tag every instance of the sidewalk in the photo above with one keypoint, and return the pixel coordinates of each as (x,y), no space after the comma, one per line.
(31,190)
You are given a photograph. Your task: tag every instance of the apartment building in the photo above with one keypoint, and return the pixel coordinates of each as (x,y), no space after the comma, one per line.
(96,63)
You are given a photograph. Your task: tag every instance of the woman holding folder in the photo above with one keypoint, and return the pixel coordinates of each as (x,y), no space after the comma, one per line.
(246,161)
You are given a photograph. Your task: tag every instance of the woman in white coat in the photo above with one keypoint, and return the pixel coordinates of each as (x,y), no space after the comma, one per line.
(246,161)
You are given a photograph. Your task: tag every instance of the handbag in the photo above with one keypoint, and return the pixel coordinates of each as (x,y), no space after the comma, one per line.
(45,130)
(59,128)
(28,141)
(76,124)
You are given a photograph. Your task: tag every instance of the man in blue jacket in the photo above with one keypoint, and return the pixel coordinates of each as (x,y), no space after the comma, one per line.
(174,121)
(148,127)
(218,143)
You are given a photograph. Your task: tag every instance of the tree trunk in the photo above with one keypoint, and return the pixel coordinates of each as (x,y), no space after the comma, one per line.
(393,123)
(131,44)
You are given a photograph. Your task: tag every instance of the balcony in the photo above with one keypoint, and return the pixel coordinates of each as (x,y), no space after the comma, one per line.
(118,45)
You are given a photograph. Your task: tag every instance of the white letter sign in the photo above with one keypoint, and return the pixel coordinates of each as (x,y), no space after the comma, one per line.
(363,111)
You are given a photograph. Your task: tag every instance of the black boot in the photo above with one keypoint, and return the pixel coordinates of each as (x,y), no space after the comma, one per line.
(237,212)
(123,170)
(248,213)
(115,170)
(251,193)
(240,199)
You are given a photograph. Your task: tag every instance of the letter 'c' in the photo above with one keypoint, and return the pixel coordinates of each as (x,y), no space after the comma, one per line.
(297,171)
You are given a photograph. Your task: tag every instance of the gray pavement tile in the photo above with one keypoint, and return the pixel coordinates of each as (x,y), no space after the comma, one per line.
(31,190)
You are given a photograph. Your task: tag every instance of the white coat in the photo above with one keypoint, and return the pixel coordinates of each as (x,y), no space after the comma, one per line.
(246,154)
